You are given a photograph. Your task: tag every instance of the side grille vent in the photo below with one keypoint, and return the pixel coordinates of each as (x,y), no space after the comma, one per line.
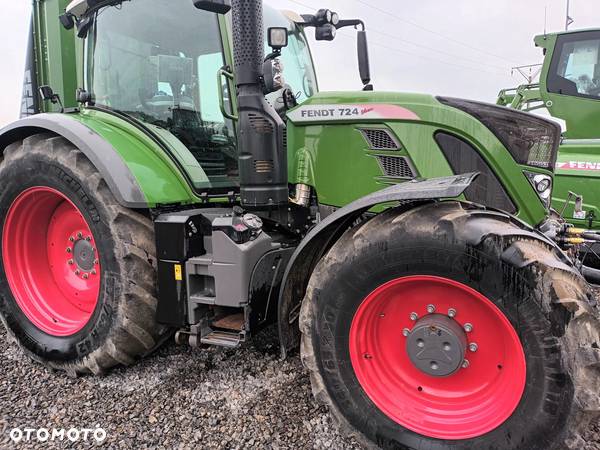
(395,167)
(464,158)
(260,124)
(285,138)
(265,166)
(380,139)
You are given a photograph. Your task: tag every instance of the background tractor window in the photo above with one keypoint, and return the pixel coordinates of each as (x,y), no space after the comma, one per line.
(157,60)
(577,70)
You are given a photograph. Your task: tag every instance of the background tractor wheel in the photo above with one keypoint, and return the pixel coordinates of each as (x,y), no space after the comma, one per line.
(77,282)
(450,328)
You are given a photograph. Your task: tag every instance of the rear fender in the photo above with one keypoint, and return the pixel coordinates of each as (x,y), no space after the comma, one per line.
(326,233)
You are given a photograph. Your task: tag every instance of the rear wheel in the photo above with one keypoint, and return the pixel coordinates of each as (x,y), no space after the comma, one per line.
(76,273)
(447,329)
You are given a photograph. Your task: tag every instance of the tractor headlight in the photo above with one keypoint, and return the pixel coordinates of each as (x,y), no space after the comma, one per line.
(542,185)
(531,140)
(335,18)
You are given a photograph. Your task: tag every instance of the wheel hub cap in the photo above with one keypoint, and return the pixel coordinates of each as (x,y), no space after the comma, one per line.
(83,254)
(437,345)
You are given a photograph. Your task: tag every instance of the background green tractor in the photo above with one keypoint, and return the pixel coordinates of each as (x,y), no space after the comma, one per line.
(171,178)
(569,88)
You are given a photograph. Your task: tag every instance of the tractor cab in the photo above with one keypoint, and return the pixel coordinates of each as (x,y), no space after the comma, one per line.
(172,72)
(570,84)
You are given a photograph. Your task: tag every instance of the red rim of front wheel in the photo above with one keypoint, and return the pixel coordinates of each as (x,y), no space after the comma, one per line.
(468,403)
(51,261)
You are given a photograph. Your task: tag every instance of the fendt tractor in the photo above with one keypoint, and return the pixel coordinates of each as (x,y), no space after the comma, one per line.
(172,180)
(569,89)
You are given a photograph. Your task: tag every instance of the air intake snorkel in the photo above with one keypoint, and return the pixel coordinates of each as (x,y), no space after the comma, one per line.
(262,156)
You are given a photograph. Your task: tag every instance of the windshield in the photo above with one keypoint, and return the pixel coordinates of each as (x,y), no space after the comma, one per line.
(297,68)
(157,60)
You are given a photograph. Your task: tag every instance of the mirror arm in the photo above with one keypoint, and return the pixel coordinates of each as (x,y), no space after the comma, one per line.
(350,23)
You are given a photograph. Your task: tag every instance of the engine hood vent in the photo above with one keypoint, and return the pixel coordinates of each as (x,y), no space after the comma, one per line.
(380,139)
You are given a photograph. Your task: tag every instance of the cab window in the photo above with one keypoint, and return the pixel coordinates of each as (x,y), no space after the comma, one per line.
(575,69)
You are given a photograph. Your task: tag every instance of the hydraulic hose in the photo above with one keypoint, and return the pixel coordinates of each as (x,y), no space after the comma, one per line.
(591,275)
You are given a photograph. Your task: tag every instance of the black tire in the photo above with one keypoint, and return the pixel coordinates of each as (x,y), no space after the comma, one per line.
(546,301)
(122,327)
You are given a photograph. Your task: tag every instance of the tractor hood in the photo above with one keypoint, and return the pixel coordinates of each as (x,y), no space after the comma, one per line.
(348,144)
(531,140)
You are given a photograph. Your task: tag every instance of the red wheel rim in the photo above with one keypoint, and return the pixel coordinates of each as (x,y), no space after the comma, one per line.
(468,403)
(51,262)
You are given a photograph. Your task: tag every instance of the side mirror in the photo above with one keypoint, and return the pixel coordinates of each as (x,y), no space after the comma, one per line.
(364,66)
(215,6)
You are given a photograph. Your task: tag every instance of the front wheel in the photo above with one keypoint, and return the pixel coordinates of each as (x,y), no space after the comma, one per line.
(446,328)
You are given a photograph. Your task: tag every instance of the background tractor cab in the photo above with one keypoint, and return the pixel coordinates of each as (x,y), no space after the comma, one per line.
(569,89)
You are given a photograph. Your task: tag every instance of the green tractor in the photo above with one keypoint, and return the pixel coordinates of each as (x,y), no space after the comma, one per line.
(172,180)
(569,89)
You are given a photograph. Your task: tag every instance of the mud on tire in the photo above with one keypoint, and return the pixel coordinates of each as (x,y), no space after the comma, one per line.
(545,300)
(122,326)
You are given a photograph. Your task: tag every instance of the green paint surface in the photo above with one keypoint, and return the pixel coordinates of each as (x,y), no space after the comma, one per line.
(159,178)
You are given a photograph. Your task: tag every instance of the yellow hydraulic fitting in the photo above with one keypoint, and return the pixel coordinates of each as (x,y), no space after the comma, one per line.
(574,240)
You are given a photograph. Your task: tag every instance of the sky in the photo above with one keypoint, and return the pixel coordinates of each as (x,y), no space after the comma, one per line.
(462,48)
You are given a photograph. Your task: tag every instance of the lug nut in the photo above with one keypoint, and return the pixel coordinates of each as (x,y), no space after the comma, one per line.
(367,356)
(94,272)
(414,316)
(468,327)
(465,364)
(473,347)
(451,313)
(69,249)
(88,238)
(96,261)
(405,332)
(77,272)
(70,262)
(72,239)
(430,309)
(80,235)
(86,276)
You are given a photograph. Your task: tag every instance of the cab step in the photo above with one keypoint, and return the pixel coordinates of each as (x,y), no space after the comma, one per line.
(222,339)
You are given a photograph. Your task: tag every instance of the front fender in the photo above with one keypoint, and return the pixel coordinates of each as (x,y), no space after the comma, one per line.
(322,237)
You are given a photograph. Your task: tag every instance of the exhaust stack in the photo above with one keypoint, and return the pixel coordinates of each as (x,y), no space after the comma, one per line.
(262,155)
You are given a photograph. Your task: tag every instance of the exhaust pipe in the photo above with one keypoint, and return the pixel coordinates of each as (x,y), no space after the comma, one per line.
(262,156)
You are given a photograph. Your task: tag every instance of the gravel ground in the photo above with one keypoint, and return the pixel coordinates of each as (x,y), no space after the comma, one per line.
(178,398)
